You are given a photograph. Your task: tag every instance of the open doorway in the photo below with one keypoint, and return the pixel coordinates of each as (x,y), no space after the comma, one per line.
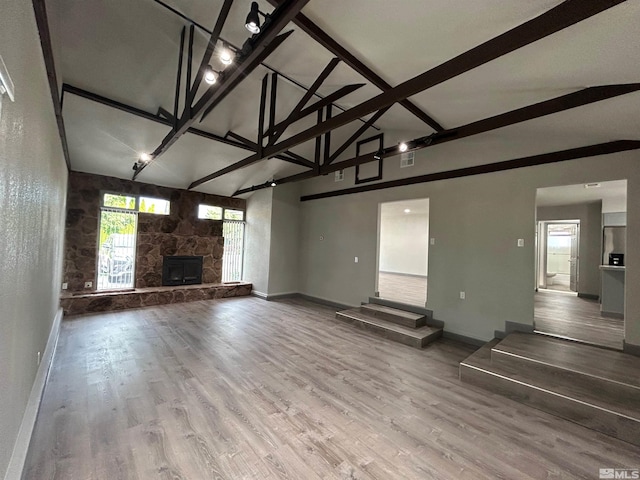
(403,251)
(558,257)
(573,298)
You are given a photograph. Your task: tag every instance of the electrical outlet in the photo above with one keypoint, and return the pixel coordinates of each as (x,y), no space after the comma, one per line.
(432,241)
(462,295)
(88,284)
(521,242)
(355,259)
(65,285)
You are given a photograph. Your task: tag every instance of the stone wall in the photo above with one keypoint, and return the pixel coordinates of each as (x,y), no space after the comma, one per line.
(180,233)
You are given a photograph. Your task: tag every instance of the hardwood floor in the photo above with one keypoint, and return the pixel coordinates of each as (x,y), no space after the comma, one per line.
(578,318)
(407,289)
(244,388)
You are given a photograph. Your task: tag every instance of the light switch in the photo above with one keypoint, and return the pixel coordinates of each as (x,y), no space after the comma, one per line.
(463,295)
(521,242)
(356,260)
(432,241)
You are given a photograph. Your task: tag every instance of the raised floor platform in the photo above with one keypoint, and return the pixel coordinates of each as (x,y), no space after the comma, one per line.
(591,386)
(76,304)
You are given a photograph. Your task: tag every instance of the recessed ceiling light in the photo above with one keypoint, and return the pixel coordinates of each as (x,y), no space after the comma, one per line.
(145,157)
(210,76)
(407,210)
(403,147)
(591,185)
(225,57)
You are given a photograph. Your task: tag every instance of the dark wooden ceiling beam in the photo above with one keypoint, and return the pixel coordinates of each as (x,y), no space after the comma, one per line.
(287,156)
(323,38)
(326,71)
(558,18)
(257,45)
(543,159)
(530,112)
(314,107)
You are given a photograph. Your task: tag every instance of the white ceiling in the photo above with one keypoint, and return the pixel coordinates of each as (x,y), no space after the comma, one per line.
(418,206)
(572,194)
(127,50)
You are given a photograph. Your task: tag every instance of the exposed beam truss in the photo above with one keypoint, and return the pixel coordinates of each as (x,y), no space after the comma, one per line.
(250,57)
(537,110)
(165,118)
(320,36)
(558,18)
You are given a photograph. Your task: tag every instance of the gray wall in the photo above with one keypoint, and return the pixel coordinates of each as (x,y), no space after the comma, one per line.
(590,216)
(258,240)
(475,221)
(404,244)
(285,240)
(33,181)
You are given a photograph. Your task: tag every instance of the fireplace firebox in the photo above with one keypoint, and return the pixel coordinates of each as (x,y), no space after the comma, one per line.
(182,270)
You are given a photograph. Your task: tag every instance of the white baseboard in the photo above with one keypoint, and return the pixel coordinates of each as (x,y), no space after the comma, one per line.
(21,447)
(256,293)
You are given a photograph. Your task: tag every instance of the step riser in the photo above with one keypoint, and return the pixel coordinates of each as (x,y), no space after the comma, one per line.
(583,414)
(391,335)
(407,322)
(627,393)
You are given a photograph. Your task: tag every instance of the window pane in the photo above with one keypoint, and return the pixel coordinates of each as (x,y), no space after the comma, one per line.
(212,213)
(117,250)
(233,214)
(119,201)
(154,205)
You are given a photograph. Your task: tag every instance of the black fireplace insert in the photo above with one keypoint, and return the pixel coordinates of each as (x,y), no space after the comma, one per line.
(182,270)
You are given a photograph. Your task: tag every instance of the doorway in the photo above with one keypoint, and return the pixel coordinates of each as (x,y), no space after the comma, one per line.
(558,256)
(403,251)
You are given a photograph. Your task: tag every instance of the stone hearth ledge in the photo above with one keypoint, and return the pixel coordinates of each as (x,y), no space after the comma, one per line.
(79,303)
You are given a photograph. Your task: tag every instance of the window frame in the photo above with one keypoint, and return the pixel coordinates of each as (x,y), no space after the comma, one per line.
(224,210)
(136,197)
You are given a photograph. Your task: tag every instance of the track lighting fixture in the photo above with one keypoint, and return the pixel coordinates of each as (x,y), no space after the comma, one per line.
(226,57)
(273,183)
(403,147)
(210,75)
(253,19)
(145,157)
(378,155)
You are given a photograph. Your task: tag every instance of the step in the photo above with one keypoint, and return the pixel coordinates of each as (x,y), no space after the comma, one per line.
(414,337)
(564,393)
(610,368)
(401,317)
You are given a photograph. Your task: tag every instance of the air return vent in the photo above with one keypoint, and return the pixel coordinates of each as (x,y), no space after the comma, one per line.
(407,159)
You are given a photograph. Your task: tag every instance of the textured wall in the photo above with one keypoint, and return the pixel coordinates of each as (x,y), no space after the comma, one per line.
(257,244)
(285,240)
(180,233)
(32,196)
(404,244)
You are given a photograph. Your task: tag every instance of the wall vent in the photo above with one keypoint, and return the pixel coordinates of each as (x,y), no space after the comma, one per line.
(339,176)
(407,159)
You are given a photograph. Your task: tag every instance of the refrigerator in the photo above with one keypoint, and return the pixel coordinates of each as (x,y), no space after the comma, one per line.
(614,240)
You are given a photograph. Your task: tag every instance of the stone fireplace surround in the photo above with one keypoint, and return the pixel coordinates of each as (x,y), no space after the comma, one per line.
(180,233)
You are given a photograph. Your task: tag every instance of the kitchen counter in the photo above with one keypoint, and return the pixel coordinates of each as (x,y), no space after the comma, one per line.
(612,299)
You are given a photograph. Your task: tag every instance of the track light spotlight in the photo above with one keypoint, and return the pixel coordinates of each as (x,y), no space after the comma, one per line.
(210,76)
(145,157)
(226,57)
(273,183)
(253,20)
(378,155)
(403,147)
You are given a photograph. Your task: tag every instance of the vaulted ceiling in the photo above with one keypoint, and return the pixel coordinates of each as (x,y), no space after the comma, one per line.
(119,60)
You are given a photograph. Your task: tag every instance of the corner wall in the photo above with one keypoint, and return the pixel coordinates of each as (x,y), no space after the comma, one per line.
(33,180)
(257,240)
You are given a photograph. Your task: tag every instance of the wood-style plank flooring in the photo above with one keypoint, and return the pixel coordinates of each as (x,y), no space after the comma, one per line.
(406,289)
(245,388)
(569,316)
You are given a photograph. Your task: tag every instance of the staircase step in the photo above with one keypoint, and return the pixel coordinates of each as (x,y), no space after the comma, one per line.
(565,393)
(414,337)
(401,317)
(607,366)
